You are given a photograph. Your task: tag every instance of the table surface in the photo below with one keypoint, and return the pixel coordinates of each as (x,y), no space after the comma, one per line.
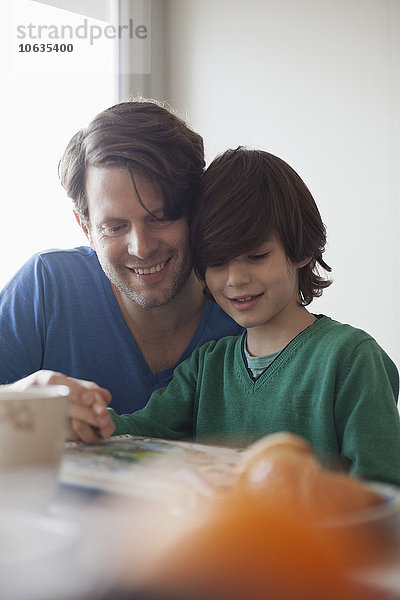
(70,549)
(384,579)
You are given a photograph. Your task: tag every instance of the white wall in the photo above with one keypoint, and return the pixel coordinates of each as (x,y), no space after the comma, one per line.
(46,98)
(317,83)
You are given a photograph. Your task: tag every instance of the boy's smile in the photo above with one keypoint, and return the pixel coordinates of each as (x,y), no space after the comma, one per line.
(243,303)
(260,292)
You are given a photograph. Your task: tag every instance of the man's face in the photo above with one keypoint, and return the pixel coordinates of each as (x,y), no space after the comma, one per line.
(146,258)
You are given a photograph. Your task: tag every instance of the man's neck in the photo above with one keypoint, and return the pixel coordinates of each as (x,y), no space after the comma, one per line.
(167,319)
(162,333)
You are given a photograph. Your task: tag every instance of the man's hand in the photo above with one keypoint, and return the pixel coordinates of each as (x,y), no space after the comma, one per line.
(89,417)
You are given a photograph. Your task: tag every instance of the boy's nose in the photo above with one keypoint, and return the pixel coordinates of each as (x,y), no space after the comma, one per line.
(237,274)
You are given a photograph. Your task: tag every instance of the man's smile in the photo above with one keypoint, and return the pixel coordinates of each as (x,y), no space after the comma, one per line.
(148,270)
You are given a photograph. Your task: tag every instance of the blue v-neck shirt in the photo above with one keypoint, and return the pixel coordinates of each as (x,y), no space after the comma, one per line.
(59,312)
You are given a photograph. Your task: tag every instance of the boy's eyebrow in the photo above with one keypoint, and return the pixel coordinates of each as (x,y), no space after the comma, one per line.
(264,244)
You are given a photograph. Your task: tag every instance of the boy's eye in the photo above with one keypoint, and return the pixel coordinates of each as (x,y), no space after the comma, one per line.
(258,256)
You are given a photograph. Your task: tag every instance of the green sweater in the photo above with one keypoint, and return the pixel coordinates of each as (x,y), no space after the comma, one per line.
(332,384)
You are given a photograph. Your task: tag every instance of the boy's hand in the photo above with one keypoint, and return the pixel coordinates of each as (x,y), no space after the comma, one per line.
(89,417)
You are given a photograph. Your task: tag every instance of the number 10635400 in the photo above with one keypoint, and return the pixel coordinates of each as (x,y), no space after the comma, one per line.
(45,47)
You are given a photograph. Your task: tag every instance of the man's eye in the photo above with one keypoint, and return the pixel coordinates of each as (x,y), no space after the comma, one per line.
(159,220)
(113,229)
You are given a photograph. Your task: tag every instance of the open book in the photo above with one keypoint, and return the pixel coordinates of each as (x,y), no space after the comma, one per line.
(149,467)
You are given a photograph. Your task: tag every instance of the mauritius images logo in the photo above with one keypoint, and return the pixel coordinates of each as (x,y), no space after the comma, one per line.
(83,31)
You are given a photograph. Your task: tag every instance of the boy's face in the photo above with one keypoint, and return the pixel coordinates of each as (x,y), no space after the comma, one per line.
(259,289)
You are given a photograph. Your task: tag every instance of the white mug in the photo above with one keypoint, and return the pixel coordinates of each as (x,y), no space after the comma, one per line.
(33,429)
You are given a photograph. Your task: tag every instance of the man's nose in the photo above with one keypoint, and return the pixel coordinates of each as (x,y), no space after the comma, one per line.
(237,273)
(140,242)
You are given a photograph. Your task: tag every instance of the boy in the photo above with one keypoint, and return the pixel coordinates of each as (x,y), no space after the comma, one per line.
(258,240)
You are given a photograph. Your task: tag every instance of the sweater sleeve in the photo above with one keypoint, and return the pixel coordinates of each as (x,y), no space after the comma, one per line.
(366,414)
(171,411)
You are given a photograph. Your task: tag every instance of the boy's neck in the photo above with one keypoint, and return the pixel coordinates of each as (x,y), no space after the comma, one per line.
(274,336)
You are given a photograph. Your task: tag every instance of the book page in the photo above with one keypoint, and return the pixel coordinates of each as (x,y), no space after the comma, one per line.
(149,467)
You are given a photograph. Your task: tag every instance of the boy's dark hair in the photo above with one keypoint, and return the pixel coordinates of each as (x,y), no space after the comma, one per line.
(245,197)
(142,137)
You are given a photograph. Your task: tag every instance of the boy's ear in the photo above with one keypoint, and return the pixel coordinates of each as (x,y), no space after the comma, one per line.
(304,262)
(84,227)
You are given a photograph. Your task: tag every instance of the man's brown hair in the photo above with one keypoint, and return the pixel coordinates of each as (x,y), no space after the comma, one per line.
(142,137)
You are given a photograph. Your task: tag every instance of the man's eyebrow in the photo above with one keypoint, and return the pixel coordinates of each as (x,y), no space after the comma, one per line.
(157,212)
(105,222)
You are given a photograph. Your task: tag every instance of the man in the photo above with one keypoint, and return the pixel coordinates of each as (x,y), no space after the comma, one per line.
(126,310)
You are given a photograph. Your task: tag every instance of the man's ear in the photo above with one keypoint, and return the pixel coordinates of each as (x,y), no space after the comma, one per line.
(84,227)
